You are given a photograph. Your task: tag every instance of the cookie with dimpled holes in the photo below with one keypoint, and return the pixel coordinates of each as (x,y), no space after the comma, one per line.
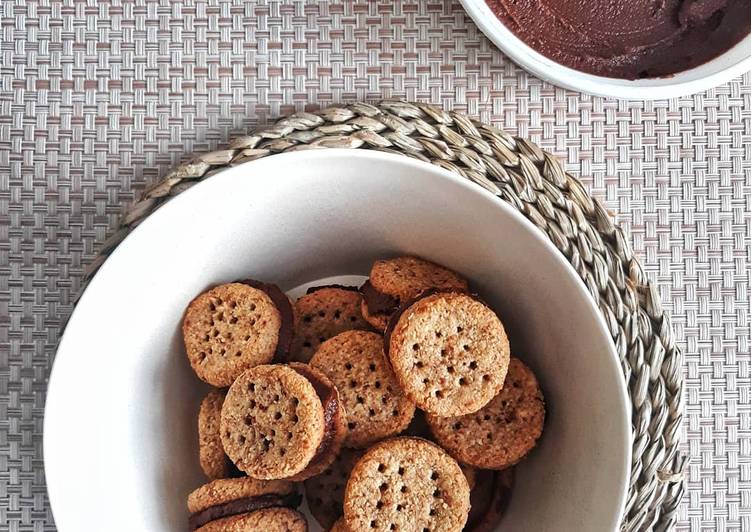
(229,329)
(393,281)
(376,407)
(325,492)
(214,461)
(323,313)
(503,432)
(272,422)
(449,352)
(335,421)
(406,484)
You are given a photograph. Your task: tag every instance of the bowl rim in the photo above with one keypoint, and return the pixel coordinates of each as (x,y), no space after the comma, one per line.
(53,389)
(684,83)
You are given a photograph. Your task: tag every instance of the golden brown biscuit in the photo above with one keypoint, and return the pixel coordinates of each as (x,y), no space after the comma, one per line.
(379,320)
(272,422)
(504,431)
(325,492)
(224,490)
(449,353)
(213,460)
(406,484)
(266,520)
(335,418)
(376,407)
(227,504)
(394,281)
(229,329)
(323,313)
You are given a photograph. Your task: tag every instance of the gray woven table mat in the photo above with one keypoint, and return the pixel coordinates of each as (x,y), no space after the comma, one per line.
(97,100)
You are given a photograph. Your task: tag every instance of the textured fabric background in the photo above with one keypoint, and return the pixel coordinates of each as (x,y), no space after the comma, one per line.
(97,99)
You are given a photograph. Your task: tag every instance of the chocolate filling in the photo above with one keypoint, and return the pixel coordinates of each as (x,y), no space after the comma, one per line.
(287,314)
(243,506)
(339,286)
(330,401)
(378,302)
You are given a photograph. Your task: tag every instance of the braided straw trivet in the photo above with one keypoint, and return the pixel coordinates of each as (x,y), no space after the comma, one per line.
(533,182)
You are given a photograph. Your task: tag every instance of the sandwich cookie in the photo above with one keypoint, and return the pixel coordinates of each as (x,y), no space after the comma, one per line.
(244,505)
(406,484)
(236,326)
(324,312)
(504,431)
(211,455)
(356,364)
(394,281)
(448,351)
(325,492)
(282,422)
(289,317)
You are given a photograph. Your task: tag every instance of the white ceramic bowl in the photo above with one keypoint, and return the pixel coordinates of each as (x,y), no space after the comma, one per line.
(120,423)
(720,70)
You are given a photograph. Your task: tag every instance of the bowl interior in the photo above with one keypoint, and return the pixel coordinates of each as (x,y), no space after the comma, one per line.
(721,69)
(120,426)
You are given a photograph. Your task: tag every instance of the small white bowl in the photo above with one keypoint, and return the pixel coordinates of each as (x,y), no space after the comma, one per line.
(120,421)
(722,69)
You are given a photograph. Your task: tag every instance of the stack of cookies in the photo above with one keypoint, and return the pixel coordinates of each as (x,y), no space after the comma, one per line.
(394,406)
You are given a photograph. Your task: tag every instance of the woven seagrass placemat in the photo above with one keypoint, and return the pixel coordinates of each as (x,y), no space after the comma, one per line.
(99,99)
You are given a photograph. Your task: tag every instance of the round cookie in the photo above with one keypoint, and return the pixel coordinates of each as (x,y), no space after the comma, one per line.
(228,502)
(407,277)
(287,311)
(504,431)
(272,422)
(449,353)
(214,462)
(229,329)
(323,313)
(393,281)
(376,407)
(335,421)
(268,520)
(406,484)
(325,492)
(224,490)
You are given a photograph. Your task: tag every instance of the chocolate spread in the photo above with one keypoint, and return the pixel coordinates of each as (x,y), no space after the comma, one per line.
(627,38)
(287,315)
(243,506)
